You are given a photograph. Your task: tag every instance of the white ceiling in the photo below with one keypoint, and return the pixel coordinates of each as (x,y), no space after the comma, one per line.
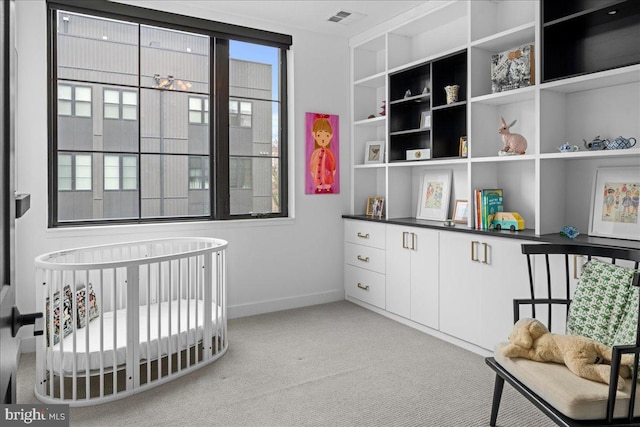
(311,15)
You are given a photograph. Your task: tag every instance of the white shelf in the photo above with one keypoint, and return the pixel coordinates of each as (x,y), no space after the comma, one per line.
(507,39)
(376,121)
(506,97)
(596,154)
(514,158)
(376,80)
(599,80)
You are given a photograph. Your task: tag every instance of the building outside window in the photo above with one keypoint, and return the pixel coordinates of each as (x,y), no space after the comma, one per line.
(120,172)
(198,173)
(154,137)
(120,104)
(75,172)
(240,113)
(74,100)
(198,110)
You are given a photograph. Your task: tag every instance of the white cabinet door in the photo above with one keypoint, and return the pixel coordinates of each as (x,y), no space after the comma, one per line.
(504,278)
(480,276)
(460,287)
(398,268)
(412,274)
(424,277)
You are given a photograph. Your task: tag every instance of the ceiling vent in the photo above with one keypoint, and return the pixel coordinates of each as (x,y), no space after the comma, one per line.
(339,16)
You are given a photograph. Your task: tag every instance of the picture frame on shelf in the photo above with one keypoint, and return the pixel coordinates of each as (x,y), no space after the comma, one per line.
(460,211)
(463,149)
(375,206)
(435,191)
(425,120)
(614,203)
(374,152)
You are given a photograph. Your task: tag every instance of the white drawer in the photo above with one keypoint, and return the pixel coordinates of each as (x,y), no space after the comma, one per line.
(365,257)
(365,233)
(365,285)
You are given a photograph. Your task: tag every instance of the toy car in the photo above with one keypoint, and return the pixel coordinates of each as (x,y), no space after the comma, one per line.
(507,220)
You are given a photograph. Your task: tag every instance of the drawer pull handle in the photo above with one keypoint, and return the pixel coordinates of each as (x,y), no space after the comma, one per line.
(363,259)
(485,254)
(364,236)
(363,287)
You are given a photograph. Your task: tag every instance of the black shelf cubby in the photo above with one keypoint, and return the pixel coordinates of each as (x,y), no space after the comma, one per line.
(412,140)
(586,36)
(449,125)
(414,79)
(449,70)
(406,129)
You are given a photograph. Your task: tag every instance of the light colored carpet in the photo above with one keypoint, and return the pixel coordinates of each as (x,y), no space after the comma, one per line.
(334,364)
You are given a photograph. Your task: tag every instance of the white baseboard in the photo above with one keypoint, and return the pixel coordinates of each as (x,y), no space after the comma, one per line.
(441,335)
(261,307)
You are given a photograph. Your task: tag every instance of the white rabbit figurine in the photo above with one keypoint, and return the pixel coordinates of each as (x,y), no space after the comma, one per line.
(513,143)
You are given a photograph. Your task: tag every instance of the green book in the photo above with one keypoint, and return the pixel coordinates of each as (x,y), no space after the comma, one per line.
(491,203)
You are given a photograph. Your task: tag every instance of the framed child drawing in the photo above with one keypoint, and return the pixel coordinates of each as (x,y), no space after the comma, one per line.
(614,203)
(322,148)
(435,190)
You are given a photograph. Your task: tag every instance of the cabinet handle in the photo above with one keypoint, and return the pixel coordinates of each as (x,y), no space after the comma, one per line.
(363,287)
(360,258)
(404,240)
(485,253)
(364,236)
(413,241)
(473,251)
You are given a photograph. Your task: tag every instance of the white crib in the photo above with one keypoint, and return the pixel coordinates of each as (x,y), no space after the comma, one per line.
(123,318)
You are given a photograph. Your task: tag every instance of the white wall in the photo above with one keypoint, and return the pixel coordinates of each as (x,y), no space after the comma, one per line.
(272,264)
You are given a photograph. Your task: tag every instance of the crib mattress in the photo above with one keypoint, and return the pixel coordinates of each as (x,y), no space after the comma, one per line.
(94,350)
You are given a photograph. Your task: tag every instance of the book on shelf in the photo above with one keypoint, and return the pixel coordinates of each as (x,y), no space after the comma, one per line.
(488,202)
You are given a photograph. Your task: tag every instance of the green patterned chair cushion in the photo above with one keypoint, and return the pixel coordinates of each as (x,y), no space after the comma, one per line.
(603,301)
(626,333)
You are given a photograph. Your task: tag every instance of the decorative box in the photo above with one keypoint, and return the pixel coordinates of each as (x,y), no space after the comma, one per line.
(419,154)
(513,68)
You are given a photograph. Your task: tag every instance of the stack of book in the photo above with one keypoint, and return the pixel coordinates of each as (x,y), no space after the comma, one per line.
(488,201)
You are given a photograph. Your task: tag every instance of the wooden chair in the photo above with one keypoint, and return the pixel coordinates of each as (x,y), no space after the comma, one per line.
(564,397)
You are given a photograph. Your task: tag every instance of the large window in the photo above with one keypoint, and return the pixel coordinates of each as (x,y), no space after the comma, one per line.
(137,135)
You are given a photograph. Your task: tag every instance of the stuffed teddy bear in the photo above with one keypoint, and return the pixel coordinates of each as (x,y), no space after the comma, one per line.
(530,339)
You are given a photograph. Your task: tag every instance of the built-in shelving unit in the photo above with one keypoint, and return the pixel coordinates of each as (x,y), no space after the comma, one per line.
(453,43)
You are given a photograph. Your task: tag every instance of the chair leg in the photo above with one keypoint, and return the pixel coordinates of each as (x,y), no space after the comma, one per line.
(497,395)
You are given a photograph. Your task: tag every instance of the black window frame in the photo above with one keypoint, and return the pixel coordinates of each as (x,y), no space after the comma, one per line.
(220,34)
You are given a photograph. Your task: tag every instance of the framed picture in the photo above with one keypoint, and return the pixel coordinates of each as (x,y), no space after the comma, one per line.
(460,211)
(425,120)
(374,206)
(614,203)
(435,190)
(374,152)
(463,149)
(322,154)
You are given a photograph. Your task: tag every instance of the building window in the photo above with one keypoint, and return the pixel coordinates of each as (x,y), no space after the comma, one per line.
(198,110)
(120,172)
(164,134)
(240,113)
(198,173)
(74,172)
(120,104)
(74,100)
(240,173)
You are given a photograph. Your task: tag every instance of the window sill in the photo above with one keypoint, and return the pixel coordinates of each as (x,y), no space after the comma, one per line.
(166,227)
